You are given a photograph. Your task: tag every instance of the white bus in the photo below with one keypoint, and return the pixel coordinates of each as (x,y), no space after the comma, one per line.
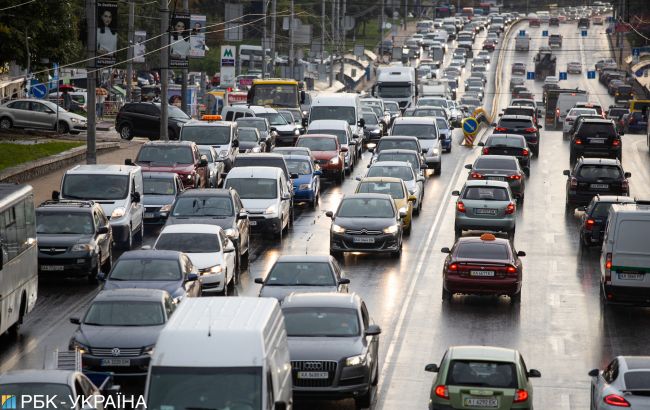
(18,255)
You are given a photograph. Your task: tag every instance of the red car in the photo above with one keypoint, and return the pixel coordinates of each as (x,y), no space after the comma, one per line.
(489,45)
(180,157)
(484,265)
(329,154)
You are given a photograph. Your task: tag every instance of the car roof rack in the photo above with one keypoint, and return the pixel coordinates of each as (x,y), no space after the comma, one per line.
(68,203)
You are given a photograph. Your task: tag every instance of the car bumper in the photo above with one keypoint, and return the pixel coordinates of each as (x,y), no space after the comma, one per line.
(138,365)
(476,286)
(286,139)
(382,243)
(304,195)
(121,230)
(584,197)
(433,162)
(259,223)
(154,216)
(503,224)
(67,265)
(593,237)
(595,152)
(349,383)
(212,282)
(79,127)
(627,295)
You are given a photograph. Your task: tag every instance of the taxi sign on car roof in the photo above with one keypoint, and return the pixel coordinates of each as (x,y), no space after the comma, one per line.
(488,237)
(211,117)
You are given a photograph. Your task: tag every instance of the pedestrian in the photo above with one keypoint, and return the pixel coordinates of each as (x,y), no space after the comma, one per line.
(67,100)
(101,98)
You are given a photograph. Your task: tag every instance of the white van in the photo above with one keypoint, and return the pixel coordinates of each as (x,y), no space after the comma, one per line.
(625,255)
(222,353)
(339,106)
(117,188)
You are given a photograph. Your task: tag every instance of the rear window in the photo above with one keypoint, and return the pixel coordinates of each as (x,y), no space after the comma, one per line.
(393,144)
(637,380)
(519,111)
(510,142)
(594,129)
(486,193)
(627,237)
(601,210)
(482,374)
(488,162)
(394,189)
(600,172)
(482,251)
(512,123)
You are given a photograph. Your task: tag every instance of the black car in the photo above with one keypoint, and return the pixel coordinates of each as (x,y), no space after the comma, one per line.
(74,239)
(373,130)
(596,138)
(118,333)
(333,345)
(578,121)
(267,133)
(221,207)
(594,218)
(160,192)
(593,176)
(521,125)
(142,119)
(366,223)
(250,140)
(508,144)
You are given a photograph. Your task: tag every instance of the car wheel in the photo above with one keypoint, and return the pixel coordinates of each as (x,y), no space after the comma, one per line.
(5,123)
(446,295)
(244,260)
(62,127)
(128,244)
(224,292)
(314,203)
(520,200)
(568,206)
(126,132)
(108,264)
(93,276)
(527,171)
(407,230)
(365,401)
(438,170)
(397,254)
(140,235)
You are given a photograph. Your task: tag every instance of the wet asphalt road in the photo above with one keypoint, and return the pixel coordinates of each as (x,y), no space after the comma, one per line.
(560,326)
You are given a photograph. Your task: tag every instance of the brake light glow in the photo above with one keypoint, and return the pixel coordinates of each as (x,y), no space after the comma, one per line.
(500,129)
(524,152)
(608,268)
(510,208)
(532,129)
(476,175)
(453,267)
(486,150)
(511,269)
(616,143)
(515,177)
(520,396)
(616,400)
(460,206)
(578,141)
(589,224)
(442,392)
(557,112)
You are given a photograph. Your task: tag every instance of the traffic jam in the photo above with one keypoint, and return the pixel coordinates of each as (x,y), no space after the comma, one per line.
(404,246)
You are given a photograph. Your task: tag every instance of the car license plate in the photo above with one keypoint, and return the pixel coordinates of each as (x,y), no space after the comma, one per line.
(116,362)
(363,239)
(148,214)
(52,267)
(313,375)
(596,140)
(252,223)
(631,276)
(497,178)
(599,186)
(481,273)
(486,402)
(483,211)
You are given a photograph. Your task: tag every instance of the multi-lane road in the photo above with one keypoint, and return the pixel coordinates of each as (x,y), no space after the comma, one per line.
(560,327)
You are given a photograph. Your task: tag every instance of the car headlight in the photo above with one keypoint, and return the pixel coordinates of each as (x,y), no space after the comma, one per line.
(334,161)
(223,153)
(148,349)
(271,210)
(189,176)
(337,229)
(391,229)
(375,131)
(75,121)
(118,212)
(359,360)
(303,187)
(296,131)
(231,232)
(435,151)
(83,247)
(211,269)
(82,348)
(256,149)
(166,208)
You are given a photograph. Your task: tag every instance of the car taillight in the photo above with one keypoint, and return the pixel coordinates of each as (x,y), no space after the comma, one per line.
(616,400)
(532,129)
(515,177)
(578,141)
(524,152)
(486,150)
(573,182)
(511,269)
(442,392)
(616,142)
(557,112)
(476,175)
(608,268)
(589,224)
(500,129)
(520,396)
(510,208)
(460,206)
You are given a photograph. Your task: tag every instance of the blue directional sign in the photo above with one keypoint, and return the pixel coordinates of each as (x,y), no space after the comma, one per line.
(530,75)
(583,33)
(37,90)
(636,52)
(545,33)
(522,33)
(591,75)
(563,75)
(470,126)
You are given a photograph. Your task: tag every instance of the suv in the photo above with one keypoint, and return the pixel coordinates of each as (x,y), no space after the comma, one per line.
(594,218)
(596,138)
(74,239)
(180,157)
(592,176)
(142,119)
(522,125)
(223,136)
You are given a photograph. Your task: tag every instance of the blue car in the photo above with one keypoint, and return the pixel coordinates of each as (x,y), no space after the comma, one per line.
(635,122)
(306,188)
(445,131)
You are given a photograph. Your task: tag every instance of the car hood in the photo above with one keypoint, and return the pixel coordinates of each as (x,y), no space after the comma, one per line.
(253,205)
(428,144)
(324,155)
(118,336)
(223,147)
(371,224)
(49,240)
(176,168)
(158,199)
(205,260)
(172,287)
(247,144)
(324,348)
(223,221)
(285,128)
(280,292)
(302,179)
(372,127)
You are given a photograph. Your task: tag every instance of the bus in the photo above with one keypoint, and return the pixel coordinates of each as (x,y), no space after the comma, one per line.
(468,12)
(443,11)
(18,255)
(276,93)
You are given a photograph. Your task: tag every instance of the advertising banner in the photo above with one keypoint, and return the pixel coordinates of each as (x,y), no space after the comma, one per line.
(179,41)
(197,36)
(106,39)
(139,46)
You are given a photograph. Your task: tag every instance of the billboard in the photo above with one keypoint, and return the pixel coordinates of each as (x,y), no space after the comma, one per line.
(197,36)
(179,41)
(139,46)
(106,39)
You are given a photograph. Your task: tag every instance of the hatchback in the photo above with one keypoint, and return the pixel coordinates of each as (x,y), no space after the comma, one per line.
(508,144)
(499,168)
(594,218)
(485,206)
(591,176)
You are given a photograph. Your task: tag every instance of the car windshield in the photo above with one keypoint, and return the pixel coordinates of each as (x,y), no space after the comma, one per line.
(333,113)
(391,171)
(421,131)
(482,251)
(258,123)
(301,274)
(125,313)
(206,135)
(366,208)
(199,206)
(486,193)
(188,242)
(489,162)
(371,119)
(600,172)
(505,141)
(429,112)
(596,130)
(248,134)
(385,144)
(391,106)
(299,166)
(95,186)
(385,90)
(274,118)
(64,223)
(482,374)
(287,116)
(321,322)
(175,112)
(254,188)
(62,392)
(161,154)
(159,186)
(146,269)
(519,111)
(431,102)
(317,143)
(394,189)
(341,135)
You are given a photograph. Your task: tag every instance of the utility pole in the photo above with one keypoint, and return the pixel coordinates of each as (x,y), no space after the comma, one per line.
(342,39)
(273,27)
(91,18)
(381,29)
(265,7)
(292,63)
(186,9)
(406,12)
(333,35)
(164,66)
(129,63)
(322,33)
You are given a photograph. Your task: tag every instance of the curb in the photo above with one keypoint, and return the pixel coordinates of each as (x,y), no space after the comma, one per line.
(25,172)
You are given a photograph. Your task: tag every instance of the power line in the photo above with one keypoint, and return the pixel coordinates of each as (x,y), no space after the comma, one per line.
(17,5)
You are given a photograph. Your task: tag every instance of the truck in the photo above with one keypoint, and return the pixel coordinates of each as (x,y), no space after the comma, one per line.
(552,110)
(545,63)
(435,88)
(555,40)
(522,43)
(397,83)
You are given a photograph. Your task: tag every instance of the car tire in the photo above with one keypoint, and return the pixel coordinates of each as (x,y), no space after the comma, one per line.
(340,177)
(527,171)
(438,169)
(520,200)
(397,254)
(126,132)
(407,230)
(224,292)
(128,244)
(245,258)
(364,401)
(62,127)
(314,203)
(446,295)
(93,276)
(108,264)
(6,123)
(139,236)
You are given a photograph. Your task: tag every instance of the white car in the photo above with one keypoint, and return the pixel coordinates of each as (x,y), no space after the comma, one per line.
(572,115)
(210,251)
(403,170)
(623,383)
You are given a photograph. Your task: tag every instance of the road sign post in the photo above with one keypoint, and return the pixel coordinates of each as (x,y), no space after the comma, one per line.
(545,33)
(530,75)
(470,129)
(563,75)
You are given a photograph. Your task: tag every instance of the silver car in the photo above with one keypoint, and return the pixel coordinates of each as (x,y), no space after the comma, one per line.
(485,206)
(404,171)
(33,113)
(572,115)
(625,382)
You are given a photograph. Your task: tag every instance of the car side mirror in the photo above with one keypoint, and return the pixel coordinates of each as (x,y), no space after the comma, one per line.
(534,373)
(235,143)
(481,144)
(192,277)
(318,172)
(203,162)
(593,373)
(279,405)
(102,230)
(373,330)
(128,161)
(344,281)
(628,174)
(329,214)
(521,253)
(259,281)
(305,122)
(362,122)
(566,172)
(455,193)
(621,132)
(229,248)
(358,178)
(242,215)
(402,213)
(424,150)
(135,197)
(344,149)
(75,320)
(293,176)
(468,166)
(370,148)
(431,368)
(56,195)
(445,250)
(420,178)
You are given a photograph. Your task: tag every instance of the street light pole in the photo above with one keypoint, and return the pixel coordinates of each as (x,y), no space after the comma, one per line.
(164,73)
(264,39)
(184,71)
(292,64)
(129,63)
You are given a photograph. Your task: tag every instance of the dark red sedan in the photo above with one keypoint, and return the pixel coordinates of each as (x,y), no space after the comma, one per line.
(489,44)
(482,265)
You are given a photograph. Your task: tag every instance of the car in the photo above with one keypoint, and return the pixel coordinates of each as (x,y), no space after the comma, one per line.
(286,133)
(519,90)
(500,168)
(403,171)
(396,142)
(394,187)
(578,120)
(133,318)
(366,223)
(574,67)
(572,115)
(635,121)
(306,187)
(508,144)
(267,134)
(607,62)
(220,135)
(301,274)
(594,218)
(485,206)
(554,22)
(170,271)
(210,251)
(286,151)
(402,155)
(596,138)
(425,129)
(160,192)
(624,92)
(333,345)
(142,119)
(40,114)
(476,91)
(70,387)
(216,167)
(501,373)
(250,141)
(74,239)
(591,176)
(445,132)
(329,154)
(393,108)
(373,129)
(613,84)
(470,103)
(483,265)
(489,44)
(350,146)
(425,111)
(623,383)
(178,157)
(523,125)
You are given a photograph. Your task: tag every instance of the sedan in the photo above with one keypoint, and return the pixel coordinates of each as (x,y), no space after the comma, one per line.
(307,186)
(403,171)
(484,265)
(500,168)
(160,192)
(508,144)
(303,274)
(500,373)
(366,223)
(623,383)
(485,206)
(489,44)
(474,91)
(394,187)
(33,113)
(516,82)
(574,67)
